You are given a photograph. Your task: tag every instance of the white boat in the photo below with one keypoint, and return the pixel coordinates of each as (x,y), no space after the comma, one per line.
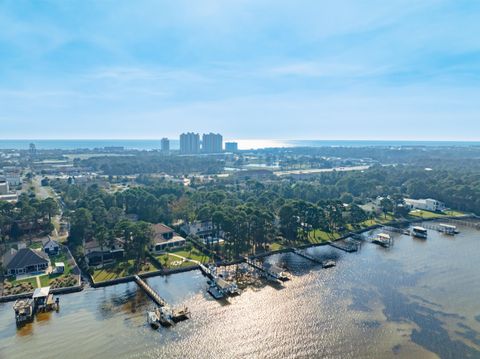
(383,239)
(329,263)
(153,320)
(448,229)
(419,232)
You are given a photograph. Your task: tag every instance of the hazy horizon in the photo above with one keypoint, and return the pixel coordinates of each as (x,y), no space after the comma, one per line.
(400,70)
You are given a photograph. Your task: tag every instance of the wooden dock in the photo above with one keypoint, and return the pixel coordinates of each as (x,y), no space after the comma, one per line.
(465,223)
(442,228)
(396,230)
(150,292)
(306,256)
(349,248)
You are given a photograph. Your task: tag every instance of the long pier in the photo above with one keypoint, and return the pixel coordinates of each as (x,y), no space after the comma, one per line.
(396,230)
(471,224)
(150,292)
(442,228)
(306,256)
(347,248)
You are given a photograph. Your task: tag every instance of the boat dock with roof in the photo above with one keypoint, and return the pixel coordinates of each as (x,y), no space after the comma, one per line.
(163,314)
(42,301)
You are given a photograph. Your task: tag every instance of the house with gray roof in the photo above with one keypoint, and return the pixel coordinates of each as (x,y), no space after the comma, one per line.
(25,260)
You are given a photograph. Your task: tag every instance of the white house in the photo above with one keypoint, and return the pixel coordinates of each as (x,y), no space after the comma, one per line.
(428,204)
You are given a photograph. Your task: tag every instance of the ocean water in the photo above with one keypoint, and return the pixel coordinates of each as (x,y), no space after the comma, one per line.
(417,299)
(244,144)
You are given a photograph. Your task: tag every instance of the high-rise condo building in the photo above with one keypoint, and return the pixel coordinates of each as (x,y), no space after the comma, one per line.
(189,143)
(165,144)
(212,143)
(231,147)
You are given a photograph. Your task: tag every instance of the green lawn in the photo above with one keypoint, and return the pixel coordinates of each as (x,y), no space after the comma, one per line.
(276,246)
(45,280)
(425,214)
(120,270)
(319,236)
(169,261)
(368,223)
(35,245)
(455,213)
(32,281)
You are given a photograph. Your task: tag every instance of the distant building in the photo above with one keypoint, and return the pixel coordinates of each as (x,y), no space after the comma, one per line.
(428,204)
(32,150)
(212,143)
(231,147)
(4,188)
(114,149)
(189,143)
(165,144)
(12,175)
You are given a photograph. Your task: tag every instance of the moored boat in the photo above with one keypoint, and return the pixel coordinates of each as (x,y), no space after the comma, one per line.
(382,239)
(152,319)
(24,311)
(165,316)
(329,263)
(419,232)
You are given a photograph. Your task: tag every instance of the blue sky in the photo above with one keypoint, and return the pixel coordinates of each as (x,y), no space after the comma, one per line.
(278,69)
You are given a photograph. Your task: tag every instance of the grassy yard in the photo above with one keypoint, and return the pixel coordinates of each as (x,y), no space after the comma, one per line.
(319,236)
(276,246)
(171,261)
(120,270)
(35,245)
(455,213)
(425,214)
(31,281)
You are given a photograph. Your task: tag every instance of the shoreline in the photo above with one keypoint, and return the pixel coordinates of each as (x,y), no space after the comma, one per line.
(163,272)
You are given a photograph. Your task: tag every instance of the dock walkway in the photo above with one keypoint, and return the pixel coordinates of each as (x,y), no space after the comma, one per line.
(150,292)
(396,230)
(306,256)
(349,248)
(461,222)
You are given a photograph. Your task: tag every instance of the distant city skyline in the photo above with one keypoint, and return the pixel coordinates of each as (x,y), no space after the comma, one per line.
(310,70)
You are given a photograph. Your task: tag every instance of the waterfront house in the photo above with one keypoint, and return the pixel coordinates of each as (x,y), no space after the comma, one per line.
(201,229)
(95,254)
(428,204)
(204,230)
(51,247)
(165,238)
(24,261)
